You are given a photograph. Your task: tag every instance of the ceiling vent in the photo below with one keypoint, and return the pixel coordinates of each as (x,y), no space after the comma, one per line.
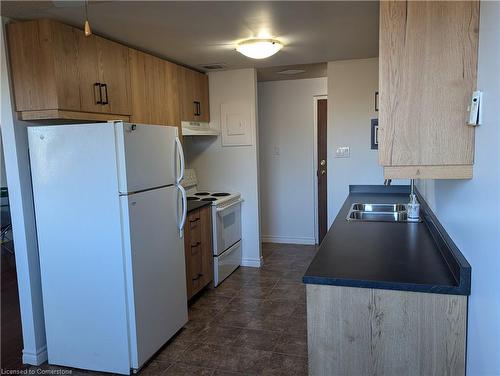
(291,72)
(214,67)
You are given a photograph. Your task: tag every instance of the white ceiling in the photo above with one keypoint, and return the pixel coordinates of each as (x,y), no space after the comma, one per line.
(196,33)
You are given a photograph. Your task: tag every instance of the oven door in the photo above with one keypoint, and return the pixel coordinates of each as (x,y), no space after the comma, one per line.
(226,220)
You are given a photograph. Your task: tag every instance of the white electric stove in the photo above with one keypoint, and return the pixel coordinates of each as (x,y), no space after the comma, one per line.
(226,225)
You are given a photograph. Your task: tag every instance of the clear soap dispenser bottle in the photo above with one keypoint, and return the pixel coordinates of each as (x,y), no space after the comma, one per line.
(413,207)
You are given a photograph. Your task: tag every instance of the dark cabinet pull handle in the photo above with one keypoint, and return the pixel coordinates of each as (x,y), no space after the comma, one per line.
(194,220)
(376,101)
(197,108)
(98,86)
(195,245)
(197,277)
(105,86)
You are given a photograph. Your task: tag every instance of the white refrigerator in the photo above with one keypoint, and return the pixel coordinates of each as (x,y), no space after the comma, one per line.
(109,211)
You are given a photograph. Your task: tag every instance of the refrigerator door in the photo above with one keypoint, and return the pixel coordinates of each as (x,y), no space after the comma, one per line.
(148,156)
(156,279)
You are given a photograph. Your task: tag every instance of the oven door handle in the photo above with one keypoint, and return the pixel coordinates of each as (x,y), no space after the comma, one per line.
(230,205)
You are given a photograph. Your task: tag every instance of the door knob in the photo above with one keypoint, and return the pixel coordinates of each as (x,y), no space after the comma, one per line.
(323,162)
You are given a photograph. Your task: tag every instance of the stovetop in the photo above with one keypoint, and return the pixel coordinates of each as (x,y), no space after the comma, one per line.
(216,198)
(190,183)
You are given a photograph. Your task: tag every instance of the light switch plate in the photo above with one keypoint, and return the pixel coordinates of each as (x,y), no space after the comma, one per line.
(342,152)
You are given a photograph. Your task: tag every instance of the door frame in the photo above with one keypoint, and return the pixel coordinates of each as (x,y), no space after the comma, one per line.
(316,98)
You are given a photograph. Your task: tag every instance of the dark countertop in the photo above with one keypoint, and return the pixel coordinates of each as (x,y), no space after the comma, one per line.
(193,204)
(384,255)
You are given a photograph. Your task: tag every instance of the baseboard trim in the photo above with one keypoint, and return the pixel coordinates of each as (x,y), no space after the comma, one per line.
(287,240)
(252,262)
(37,358)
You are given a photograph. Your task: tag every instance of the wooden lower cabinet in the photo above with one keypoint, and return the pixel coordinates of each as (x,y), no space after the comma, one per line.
(198,250)
(358,331)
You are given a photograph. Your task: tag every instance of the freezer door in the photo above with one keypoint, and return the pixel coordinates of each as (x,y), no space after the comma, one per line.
(155,269)
(148,156)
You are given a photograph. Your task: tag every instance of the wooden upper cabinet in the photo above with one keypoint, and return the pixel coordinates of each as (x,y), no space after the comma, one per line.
(427,74)
(114,74)
(193,88)
(58,73)
(155,90)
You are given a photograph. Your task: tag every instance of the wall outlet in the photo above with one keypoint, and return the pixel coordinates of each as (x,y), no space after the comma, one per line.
(342,152)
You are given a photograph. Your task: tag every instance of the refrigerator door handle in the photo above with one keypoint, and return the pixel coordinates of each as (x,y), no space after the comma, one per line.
(182,222)
(180,152)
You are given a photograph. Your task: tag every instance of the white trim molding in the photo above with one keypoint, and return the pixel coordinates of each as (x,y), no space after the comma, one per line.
(252,262)
(288,239)
(35,358)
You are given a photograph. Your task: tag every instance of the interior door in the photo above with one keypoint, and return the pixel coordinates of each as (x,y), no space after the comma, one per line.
(147,156)
(158,268)
(322,171)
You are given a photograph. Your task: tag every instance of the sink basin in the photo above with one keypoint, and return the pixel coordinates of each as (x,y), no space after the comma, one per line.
(378,213)
(378,216)
(379,207)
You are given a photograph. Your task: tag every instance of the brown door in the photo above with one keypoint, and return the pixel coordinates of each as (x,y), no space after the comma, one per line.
(322,169)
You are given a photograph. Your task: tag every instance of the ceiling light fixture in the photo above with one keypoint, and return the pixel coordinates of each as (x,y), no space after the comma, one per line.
(259,48)
(86,27)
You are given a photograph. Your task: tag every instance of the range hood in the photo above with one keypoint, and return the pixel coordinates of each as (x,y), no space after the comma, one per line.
(193,128)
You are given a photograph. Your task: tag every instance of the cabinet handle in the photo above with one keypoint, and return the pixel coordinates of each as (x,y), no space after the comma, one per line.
(195,245)
(376,101)
(194,220)
(98,86)
(105,86)
(197,108)
(197,277)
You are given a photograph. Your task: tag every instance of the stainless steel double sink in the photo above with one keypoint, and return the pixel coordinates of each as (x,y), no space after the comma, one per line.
(378,212)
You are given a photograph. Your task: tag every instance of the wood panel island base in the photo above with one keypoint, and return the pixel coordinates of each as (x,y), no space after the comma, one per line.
(361,331)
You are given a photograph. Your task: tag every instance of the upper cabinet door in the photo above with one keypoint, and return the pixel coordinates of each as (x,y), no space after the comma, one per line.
(428,65)
(202,97)
(43,57)
(114,76)
(193,87)
(88,74)
(154,87)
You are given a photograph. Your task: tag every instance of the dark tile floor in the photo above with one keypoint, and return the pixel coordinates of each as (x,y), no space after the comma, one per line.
(12,341)
(254,323)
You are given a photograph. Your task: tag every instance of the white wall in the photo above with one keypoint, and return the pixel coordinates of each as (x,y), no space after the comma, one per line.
(15,145)
(286,155)
(351,88)
(3,177)
(470,209)
(232,168)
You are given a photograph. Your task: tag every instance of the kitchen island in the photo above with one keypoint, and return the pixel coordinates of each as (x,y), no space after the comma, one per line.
(387,298)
